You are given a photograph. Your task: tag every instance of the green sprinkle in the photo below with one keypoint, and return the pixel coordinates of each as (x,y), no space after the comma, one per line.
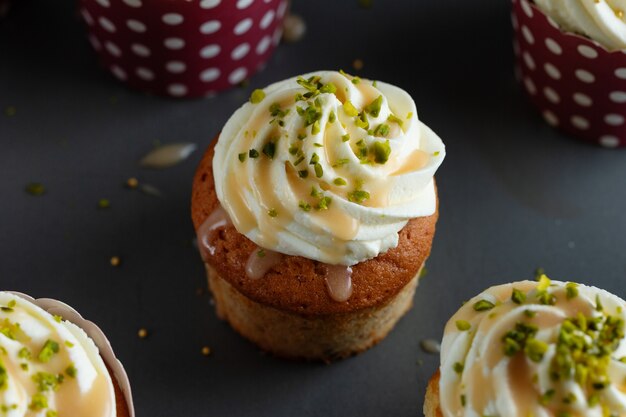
(381,151)
(374,107)
(319,171)
(257,96)
(358,196)
(518,297)
(35,188)
(345,137)
(463,325)
(269,149)
(339,181)
(304,206)
(571,290)
(253,153)
(49,349)
(303,174)
(38,402)
(104,203)
(458,367)
(272,213)
(71,371)
(349,108)
(395,119)
(483,305)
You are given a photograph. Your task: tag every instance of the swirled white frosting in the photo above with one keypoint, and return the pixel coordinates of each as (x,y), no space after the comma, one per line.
(481,376)
(49,366)
(337,186)
(601,20)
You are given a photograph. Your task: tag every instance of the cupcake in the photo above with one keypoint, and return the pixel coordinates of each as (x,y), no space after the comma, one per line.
(315,211)
(540,349)
(55,363)
(571,60)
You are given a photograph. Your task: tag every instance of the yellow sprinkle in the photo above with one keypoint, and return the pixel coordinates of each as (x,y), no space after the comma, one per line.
(132,182)
(206,351)
(142,333)
(10,111)
(115,261)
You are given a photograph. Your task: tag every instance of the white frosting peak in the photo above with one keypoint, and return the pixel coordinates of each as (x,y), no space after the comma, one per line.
(327,166)
(552,350)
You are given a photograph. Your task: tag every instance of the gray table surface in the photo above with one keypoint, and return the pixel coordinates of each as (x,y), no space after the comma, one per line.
(515,195)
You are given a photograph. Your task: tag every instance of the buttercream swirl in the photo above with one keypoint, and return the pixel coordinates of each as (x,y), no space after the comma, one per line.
(48,366)
(326,166)
(601,20)
(541,349)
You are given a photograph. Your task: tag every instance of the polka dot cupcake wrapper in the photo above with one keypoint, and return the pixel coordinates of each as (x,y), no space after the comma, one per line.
(183,48)
(578,86)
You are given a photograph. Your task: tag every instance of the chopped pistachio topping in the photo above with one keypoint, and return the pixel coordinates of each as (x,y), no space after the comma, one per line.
(304,206)
(328,88)
(409,115)
(261,253)
(358,196)
(302,136)
(483,305)
(515,340)
(381,151)
(46,381)
(332,117)
(571,290)
(38,402)
(356,80)
(298,161)
(272,213)
(319,171)
(339,181)
(71,371)
(458,367)
(253,153)
(341,162)
(12,304)
(374,107)
(4,377)
(547,397)
(257,96)
(345,137)
(315,127)
(535,349)
(314,159)
(303,174)
(324,203)
(24,353)
(276,111)
(395,119)
(269,149)
(52,413)
(463,325)
(49,349)
(518,297)
(381,130)
(349,108)
(362,121)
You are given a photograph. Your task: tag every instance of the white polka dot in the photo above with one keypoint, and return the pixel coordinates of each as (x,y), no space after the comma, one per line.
(211,26)
(267,20)
(145,74)
(580,122)
(278,33)
(551,95)
(552,71)
(238,75)
(587,51)
(95,42)
(175,67)
(118,72)
(133,3)
(242,4)
(103,3)
(530,86)
(614,119)
(550,118)
(527,9)
(528,35)
(113,49)
(263,45)
(243,26)
(585,76)
(210,74)
(582,99)
(174,43)
(618,96)
(106,24)
(172,19)
(210,51)
(136,26)
(529,61)
(177,90)
(87,17)
(514,21)
(240,51)
(554,47)
(621,73)
(209,4)
(282,9)
(553,23)
(139,49)
(609,141)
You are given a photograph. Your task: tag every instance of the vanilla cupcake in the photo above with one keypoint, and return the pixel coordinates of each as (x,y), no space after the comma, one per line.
(315,211)
(539,349)
(50,366)
(570,57)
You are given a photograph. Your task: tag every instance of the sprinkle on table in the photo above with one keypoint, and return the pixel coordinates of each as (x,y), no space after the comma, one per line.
(206,351)
(357,64)
(35,188)
(132,183)
(104,203)
(115,261)
(10,111)
(142,333)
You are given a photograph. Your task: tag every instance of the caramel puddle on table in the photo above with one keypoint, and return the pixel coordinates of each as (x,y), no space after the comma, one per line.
(260,262)
(206,233)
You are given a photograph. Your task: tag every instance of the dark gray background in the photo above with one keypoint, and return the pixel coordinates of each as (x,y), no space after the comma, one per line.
(515,195)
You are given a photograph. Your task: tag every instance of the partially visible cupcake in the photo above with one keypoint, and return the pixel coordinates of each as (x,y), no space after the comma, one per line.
(315,211)
(570,55)
(53,363)
(542,349)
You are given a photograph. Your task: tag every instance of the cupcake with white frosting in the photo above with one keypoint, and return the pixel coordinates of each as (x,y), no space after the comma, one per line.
(542,349)
(315,211)
(571,62)
(50,365)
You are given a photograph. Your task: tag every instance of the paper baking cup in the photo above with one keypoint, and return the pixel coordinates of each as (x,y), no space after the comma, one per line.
(59,308)
(577,84)
(183,48)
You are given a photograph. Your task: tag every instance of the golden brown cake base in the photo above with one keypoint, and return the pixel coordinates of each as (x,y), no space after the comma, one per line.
(120,401)
(293,335)
(431,402)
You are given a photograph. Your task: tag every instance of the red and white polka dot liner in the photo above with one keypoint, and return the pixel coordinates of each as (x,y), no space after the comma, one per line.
(578,86)
(183,48)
